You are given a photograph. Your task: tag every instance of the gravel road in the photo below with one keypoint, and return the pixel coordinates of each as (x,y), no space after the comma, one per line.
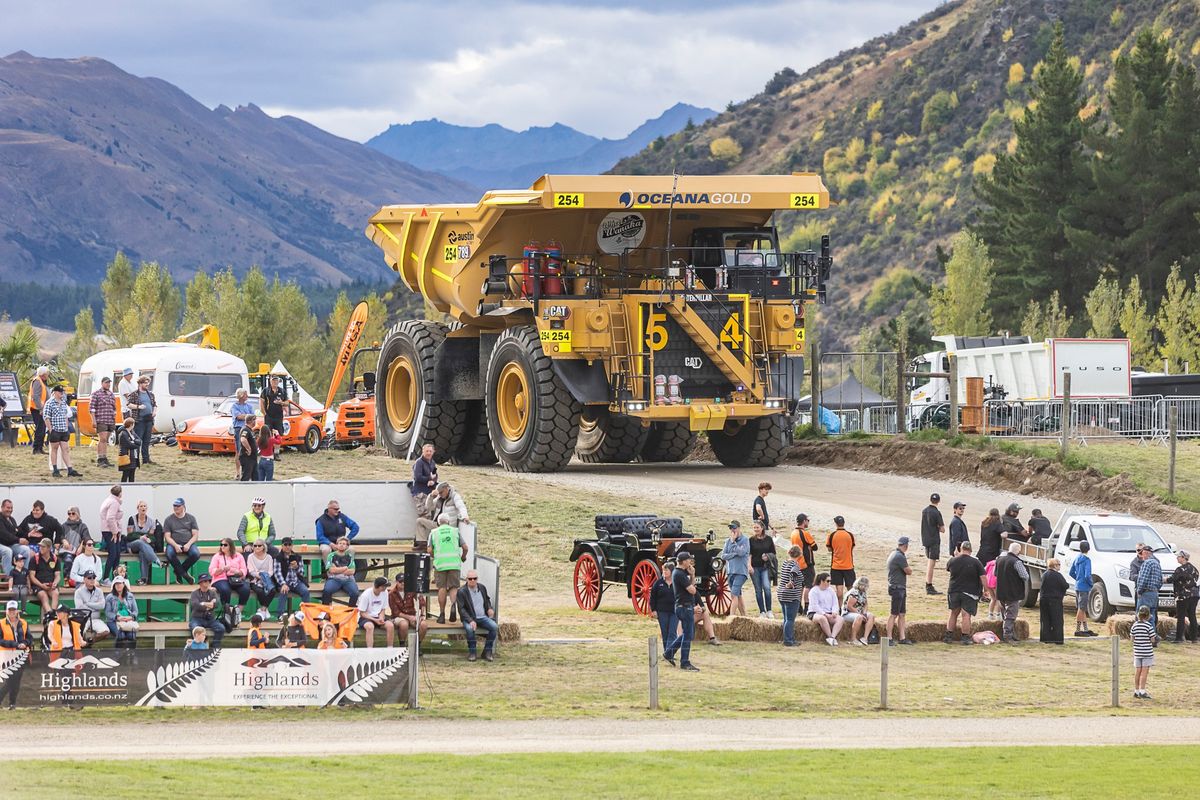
(202,740)
(876,507)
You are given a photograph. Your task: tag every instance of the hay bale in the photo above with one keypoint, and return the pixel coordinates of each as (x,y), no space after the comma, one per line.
(510,632)
(925,632)
(723,630)
(754,629)
(1119,625)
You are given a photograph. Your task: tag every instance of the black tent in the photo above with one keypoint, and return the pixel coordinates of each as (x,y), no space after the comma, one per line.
(849,394)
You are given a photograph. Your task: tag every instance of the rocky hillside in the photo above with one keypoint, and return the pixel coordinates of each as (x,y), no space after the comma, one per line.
(901,125)
(493,157)
(95,160)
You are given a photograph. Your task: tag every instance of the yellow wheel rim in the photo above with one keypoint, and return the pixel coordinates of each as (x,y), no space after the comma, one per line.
(401,393)
(512,401)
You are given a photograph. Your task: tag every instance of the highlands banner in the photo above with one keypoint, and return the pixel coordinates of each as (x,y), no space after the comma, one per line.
(225,677)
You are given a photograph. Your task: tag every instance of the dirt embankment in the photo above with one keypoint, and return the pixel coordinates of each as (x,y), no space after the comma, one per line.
(1019,474)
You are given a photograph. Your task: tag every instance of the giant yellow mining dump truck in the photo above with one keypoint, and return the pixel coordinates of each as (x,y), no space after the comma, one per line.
(608,317)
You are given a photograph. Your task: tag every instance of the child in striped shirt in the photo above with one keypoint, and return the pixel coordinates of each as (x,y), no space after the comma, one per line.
(1142,633)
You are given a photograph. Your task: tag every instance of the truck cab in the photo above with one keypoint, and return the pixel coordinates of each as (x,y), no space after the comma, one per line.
(736,259)
(1113,539)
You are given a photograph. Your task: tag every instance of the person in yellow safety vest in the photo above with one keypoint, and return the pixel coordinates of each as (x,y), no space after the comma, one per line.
(14,636)
(257,524)
(58,631)
(39,393)
(449,553)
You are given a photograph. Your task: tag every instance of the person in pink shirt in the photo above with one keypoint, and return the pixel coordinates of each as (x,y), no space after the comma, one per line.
(229,575)
(111,531)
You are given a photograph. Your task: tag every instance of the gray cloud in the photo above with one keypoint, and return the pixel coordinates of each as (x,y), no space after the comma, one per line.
(599,67)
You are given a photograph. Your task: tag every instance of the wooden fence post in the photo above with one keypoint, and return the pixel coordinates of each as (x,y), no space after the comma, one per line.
(884,646)
(1172,436)
(1066,418)
(954,399)
(1116,671)
(652,647)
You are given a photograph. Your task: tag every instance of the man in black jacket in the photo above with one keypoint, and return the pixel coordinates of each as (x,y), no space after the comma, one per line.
(1012,524)
(425,474)
(10,539)
(1040,528)
(475,611)
(1011,576)
(958,528)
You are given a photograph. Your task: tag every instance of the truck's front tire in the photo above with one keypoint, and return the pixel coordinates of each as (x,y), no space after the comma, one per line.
(759,442)
(532,419)
(668,442)
(607,438)
(1098,607)
(406,368)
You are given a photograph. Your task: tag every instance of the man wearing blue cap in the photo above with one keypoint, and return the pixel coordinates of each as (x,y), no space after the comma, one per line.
(181,533)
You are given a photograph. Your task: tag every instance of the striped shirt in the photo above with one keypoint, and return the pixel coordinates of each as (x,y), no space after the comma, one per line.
(791,582)
(1142,634)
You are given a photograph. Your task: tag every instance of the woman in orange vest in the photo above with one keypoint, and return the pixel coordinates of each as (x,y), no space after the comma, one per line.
(38,395)
(807,561)
(63,632)
(14,636)
(255,638)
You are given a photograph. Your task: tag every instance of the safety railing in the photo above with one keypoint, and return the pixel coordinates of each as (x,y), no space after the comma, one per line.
(1108,418)
(1187,416)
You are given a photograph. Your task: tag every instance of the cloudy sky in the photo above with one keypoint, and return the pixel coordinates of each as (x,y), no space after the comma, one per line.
(355,67)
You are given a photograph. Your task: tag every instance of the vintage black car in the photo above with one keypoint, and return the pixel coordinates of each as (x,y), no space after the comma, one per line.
(630,550)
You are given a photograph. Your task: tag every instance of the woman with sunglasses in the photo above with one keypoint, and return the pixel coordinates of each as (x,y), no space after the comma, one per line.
(75,533)
(143,534)
(265,575)
(229,574)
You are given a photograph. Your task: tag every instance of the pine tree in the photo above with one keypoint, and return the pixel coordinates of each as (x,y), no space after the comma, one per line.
(1175,326)
(117,287)
(1030,200)
(1141,218)
(1137,324)
(959,307)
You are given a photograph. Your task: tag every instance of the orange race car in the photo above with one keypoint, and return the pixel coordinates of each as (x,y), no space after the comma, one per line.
(211,434)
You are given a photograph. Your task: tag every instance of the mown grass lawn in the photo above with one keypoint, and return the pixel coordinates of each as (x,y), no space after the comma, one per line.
(979,772)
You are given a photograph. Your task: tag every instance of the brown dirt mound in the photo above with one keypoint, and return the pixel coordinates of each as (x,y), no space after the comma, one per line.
(1017,474)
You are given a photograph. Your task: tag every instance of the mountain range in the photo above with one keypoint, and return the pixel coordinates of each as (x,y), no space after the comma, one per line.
(96,160)
(495,157)
(901,126)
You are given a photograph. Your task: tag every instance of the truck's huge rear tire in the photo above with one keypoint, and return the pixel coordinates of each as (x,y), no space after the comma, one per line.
(475,450)
(668,442)
(759,442)
(532,419)
(607,438)
(406,370)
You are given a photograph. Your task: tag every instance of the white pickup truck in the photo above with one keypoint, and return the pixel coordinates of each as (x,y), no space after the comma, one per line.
(1113,538)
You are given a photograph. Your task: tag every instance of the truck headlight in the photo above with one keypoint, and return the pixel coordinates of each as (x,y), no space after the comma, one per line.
(1123,573)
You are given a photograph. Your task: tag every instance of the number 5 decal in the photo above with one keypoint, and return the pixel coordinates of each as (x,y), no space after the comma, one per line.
(656,331)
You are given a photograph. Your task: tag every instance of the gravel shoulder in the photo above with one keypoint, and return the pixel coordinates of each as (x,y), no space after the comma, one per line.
(202,740)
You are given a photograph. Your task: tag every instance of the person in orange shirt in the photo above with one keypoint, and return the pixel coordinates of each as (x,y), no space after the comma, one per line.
(841,544)
(807,561)
(39,393)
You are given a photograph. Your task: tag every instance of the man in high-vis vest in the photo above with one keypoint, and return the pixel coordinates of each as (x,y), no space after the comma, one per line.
(257,524)
(14,637)
(39,393)
(449,553)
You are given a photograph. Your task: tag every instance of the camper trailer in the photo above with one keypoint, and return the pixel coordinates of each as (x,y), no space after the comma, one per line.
(187,380)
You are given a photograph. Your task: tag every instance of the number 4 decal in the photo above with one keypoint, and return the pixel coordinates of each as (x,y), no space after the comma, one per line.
(731,334)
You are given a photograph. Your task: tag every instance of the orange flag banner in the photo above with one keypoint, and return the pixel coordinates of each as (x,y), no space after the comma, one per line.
(344,618)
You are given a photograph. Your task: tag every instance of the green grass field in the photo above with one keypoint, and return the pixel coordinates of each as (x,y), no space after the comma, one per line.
(976,772)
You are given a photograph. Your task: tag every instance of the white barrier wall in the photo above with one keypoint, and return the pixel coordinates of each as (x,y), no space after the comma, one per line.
(383,509)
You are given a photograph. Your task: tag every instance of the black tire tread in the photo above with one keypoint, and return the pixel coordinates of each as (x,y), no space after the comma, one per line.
(668,442)
(618,439)
(760,442)
(475,449)
(443,423)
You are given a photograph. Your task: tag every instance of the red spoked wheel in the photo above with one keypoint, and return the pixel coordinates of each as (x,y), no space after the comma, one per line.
(588,587)
(719,600)
(640,583)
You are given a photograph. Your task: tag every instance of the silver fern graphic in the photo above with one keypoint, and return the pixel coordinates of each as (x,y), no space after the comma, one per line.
(166,682)
(13,666)
(356,681)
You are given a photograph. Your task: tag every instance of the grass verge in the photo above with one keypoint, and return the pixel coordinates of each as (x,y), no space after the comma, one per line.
(975,772)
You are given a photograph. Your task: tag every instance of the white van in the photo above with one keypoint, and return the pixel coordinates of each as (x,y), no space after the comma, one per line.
(187,380)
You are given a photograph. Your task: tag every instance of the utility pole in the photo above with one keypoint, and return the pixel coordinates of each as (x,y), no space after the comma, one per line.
(1066,418)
